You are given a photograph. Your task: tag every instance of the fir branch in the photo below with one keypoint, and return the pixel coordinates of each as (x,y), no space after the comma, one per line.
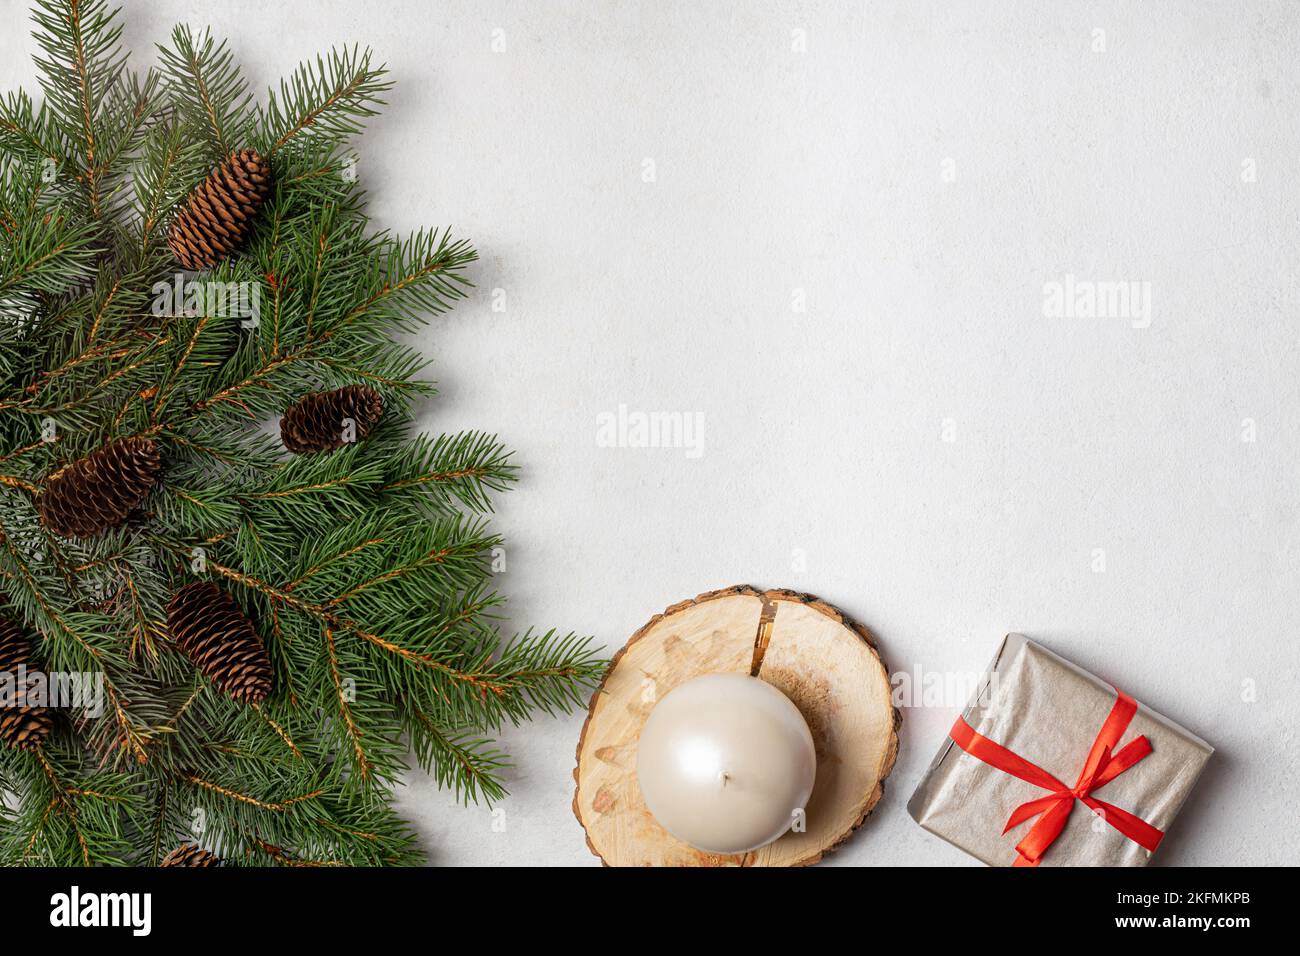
(82,66)
(205,82)
(464,762)
(422,274)
(47,252)
(328,100)
(231,793)
(170,164)
(27,133)
(367,570)
(354,733)
(466,468)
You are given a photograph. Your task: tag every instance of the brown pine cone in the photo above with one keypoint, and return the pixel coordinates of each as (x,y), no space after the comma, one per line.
(208,626)
(97,492)
(316,422)
(189,854)
(21,726)
(219,214)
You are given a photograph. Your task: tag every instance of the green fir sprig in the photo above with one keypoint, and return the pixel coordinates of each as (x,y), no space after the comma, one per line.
(366,570)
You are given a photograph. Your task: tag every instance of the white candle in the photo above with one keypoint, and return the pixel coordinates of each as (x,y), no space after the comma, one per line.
(725,762)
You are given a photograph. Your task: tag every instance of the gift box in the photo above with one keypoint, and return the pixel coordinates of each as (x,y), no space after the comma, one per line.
(1050,765)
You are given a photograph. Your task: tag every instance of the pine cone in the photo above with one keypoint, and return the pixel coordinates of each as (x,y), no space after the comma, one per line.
(21,726)
(97,492)
(316,422)
(219,214)
(208,626)
(189,854)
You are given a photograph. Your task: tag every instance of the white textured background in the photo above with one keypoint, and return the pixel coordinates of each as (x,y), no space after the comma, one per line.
(825,466)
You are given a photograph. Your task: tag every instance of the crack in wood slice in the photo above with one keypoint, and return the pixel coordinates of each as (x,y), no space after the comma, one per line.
(821,659)
(762,637)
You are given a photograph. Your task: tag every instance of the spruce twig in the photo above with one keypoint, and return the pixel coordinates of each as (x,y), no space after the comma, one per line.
(366,570)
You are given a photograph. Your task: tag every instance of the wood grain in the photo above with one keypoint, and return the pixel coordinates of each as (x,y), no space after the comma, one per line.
(820,659)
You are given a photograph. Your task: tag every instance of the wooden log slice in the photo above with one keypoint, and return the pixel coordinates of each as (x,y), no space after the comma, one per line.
(820,659)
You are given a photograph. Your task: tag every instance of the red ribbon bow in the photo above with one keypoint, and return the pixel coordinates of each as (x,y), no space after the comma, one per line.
(1101,767)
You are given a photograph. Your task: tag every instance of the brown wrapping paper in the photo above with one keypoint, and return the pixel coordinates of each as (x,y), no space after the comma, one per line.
(1049,711)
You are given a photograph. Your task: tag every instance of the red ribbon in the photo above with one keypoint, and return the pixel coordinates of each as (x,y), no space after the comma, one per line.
(1101,767)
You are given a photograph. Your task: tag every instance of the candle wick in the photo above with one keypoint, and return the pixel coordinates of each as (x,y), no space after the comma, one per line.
(723,777)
